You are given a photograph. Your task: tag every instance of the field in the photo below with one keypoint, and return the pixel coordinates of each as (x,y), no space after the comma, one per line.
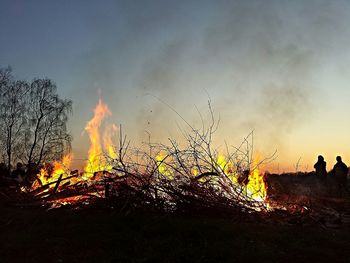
(35,234)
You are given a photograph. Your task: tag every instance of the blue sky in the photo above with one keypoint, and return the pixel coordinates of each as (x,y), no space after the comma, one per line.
(278,67)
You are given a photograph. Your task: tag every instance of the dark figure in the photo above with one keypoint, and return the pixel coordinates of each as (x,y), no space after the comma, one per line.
(4,171)
(340,172)
(32,171)
(320,167)
(19,173)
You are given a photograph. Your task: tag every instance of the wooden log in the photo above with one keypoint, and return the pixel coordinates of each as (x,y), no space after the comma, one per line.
(57,184)
(46,186)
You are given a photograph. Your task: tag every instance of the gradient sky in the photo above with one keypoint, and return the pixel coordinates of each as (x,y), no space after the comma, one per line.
(281,68)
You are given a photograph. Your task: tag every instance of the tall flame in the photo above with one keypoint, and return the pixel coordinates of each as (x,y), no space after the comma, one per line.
(109,133)
(96,161)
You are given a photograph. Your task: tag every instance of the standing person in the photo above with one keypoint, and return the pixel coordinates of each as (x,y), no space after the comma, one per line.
(3,172)
(340,173)
(320,167)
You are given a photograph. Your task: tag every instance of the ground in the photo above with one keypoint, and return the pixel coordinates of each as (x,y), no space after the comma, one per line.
(35,234)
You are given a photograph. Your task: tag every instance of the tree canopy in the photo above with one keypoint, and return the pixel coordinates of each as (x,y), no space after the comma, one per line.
(33,120)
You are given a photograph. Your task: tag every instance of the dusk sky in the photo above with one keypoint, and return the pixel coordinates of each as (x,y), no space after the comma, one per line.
(280,68)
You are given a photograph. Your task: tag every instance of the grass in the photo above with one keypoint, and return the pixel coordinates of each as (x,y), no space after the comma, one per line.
(91,235)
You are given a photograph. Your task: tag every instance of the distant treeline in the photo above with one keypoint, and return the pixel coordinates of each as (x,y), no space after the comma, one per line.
(32,121)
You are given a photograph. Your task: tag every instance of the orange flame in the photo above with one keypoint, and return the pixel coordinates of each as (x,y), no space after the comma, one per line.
(162,167)
(255,187)
(109,133)
(47,176)
(95,160)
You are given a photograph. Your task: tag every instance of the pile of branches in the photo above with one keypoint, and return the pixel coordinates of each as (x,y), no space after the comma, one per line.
(190,176)
(185,177)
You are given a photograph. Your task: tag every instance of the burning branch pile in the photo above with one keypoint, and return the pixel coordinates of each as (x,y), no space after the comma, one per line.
(173,177)
(188,177)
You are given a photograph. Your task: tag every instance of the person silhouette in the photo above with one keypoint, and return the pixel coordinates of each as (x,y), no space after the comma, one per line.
(19,173)
(340,172)
(320,167)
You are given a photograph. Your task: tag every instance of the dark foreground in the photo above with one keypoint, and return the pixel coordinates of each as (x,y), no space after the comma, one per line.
(101,235)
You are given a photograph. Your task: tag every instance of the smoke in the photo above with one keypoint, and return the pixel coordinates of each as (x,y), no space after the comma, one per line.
(249,58)
(257,60)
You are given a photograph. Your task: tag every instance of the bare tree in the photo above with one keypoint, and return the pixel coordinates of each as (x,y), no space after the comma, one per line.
(5,77)
(46,137)
(12,102)
(33,120)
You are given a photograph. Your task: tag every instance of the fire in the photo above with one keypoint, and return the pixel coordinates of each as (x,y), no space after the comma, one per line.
(162,167)
(108,140)
(227,168)
(48,175)
(96,161)
(194,171)
(255,186)
(248,183)
(61,167)
(44,175)
(96,156)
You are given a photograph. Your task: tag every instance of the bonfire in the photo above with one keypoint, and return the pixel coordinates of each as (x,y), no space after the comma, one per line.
(189,177)
(163,174)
